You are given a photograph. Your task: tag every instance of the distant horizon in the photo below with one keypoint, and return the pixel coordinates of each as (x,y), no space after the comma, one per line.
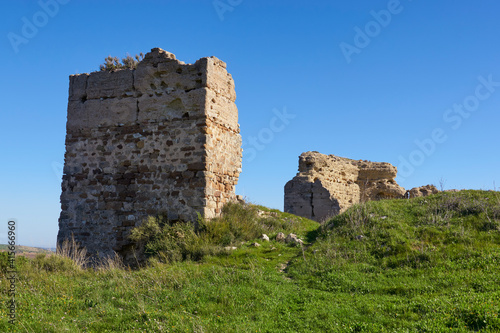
(34,246)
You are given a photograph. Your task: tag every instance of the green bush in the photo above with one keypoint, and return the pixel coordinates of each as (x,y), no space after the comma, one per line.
(4,262)
(53,263)
(171,242)
(20,261)
(237,223)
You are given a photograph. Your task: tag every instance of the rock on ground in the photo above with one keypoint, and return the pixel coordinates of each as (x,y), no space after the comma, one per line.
(293,239)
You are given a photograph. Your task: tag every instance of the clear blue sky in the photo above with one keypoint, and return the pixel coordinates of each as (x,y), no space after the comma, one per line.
(362,79)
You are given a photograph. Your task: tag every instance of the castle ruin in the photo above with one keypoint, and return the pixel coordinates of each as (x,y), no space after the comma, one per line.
(159,139)
(327,185)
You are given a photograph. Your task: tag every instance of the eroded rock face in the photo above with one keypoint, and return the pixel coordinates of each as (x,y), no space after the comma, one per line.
(421,191)
(160,139)
(327,185)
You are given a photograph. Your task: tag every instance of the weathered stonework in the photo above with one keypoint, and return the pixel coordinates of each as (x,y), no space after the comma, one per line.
(421,191)
(327,185)
(163,138)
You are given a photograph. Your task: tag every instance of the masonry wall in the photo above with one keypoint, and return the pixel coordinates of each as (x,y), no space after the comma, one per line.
(223,146)
(327,185)
(160,139)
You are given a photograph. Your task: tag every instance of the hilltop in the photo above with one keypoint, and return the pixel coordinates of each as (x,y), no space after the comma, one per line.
(426,264)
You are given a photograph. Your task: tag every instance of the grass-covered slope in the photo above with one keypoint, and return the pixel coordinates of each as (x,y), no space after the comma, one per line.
(421,265)
(426,265)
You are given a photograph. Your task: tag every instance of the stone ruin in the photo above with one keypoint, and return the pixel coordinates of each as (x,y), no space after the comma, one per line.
(326,185)
(159,139)
(422,191)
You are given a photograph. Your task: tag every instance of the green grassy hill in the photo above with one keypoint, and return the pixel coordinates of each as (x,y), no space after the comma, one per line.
(421,265)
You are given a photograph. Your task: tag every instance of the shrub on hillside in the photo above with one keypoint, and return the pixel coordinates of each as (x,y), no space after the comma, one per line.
(53,263)
(176,241)
(5,264)
(169,242)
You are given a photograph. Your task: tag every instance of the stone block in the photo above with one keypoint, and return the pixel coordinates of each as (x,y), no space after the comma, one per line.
(78,87)
(107,84)
(111,112)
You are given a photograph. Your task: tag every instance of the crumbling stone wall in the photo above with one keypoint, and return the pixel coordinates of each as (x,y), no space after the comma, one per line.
(421,191)
(327,185)
(162,138)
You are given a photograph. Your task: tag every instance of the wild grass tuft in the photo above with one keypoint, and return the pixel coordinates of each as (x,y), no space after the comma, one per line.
(70,249)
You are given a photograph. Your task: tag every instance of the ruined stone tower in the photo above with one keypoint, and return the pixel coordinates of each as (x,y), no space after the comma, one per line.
(160,139)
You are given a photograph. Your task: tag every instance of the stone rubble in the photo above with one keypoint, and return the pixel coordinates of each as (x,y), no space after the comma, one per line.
(293,239)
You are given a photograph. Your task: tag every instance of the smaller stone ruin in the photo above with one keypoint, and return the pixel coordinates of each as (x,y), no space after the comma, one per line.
(326,185)
(421,191)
